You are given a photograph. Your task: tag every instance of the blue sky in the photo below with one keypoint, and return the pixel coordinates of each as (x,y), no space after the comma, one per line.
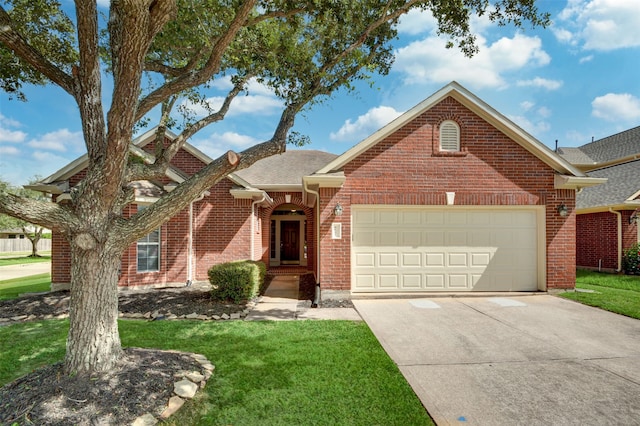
(574,81)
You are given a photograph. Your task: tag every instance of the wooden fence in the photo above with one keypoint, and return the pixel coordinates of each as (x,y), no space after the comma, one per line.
(8,245)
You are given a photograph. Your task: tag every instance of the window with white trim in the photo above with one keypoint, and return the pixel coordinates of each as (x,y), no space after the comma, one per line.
(449,136)
(149,252)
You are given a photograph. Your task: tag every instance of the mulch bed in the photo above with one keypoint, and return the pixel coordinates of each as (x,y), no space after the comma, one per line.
(144,381)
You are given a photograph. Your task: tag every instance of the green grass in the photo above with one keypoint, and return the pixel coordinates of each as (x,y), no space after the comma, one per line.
(267,373)
(21,260)
(615,293)
(10,289)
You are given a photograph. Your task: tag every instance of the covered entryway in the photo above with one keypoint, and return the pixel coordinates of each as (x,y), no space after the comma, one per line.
(417,248)
(288,244)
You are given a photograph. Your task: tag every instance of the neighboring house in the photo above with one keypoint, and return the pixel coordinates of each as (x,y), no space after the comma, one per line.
(18,233)
(607,214)
(451,196)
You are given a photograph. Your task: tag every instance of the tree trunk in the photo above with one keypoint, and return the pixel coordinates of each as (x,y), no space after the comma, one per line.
(93,343)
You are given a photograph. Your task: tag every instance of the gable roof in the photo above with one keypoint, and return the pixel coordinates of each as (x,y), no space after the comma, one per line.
(476,105)
(620,190)
(618,148)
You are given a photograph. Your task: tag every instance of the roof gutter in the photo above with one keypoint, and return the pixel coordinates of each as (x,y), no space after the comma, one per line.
(617,213)
(576,182)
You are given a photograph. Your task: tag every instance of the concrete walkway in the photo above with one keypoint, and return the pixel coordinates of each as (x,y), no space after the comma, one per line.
(280,303)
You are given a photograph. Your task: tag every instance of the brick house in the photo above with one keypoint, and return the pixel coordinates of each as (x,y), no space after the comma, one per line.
(450,196)
(606,222)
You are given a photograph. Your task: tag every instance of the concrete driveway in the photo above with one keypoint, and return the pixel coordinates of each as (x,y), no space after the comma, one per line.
(534,360)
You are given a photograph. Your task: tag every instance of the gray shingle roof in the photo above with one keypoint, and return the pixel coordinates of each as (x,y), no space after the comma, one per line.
(624,181)
(287,168)
(611,148)
(575,156)
(615,146)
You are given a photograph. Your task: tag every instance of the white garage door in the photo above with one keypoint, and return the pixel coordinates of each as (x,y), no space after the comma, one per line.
(412,249)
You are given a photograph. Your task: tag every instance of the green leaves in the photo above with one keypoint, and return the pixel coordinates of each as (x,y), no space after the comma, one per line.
(46,28)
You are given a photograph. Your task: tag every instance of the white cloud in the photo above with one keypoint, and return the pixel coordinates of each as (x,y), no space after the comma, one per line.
(60,140)
(527,105)
(9,150)
(541,82)
(217,144)
(429,60)
(260,100)
(366,124)
(544,112)
(48,161)
(12,136)
(9,122)
(536,128)
(600,24)
(616,107)
(417,22)
(9,135)
(586,59)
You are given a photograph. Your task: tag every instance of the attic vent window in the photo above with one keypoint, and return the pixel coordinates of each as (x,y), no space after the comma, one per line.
(449,136)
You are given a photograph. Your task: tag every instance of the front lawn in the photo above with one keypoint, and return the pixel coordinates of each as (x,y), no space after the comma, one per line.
(267,373)
(10,289)
(615,293)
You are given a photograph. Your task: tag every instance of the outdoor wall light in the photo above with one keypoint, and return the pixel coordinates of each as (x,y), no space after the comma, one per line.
(563,210)
(633,218)
(337,210)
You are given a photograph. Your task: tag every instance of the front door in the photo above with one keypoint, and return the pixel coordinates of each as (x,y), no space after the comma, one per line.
(290,242)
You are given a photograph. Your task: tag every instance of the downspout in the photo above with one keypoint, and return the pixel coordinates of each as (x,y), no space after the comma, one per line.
(264,197)
(617,213)
(190,243)
(316,299)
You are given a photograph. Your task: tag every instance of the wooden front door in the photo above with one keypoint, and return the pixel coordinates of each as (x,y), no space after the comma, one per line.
(290,241)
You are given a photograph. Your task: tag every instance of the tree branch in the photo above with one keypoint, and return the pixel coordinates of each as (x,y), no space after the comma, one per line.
(194,78)
(14,41)
(42,213)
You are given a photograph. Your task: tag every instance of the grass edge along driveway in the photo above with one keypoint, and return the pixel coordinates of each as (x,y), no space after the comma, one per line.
(267,373)
(611,292)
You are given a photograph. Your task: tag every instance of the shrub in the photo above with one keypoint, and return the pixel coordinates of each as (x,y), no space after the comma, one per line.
(631,260)
(236,281)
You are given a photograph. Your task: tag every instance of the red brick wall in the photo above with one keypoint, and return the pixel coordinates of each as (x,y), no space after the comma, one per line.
(407,169)
(597,239)
(222,229)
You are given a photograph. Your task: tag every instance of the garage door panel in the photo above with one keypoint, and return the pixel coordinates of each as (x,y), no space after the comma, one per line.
(435,281)
(434,238)
(389,259)
(387,238)
(449,249)
(365,259)
(434,259)
(364,238)
(411,260)
(389,281)
(456,238)
(411,281)
(458,281)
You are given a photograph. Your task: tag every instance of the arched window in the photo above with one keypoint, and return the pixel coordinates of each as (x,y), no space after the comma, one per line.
(449,136)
